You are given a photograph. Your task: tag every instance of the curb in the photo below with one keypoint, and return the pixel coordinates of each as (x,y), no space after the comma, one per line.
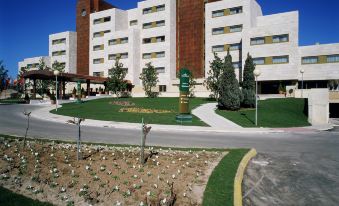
(240,175)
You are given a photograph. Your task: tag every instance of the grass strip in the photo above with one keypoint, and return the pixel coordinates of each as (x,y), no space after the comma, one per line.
(10,198)
(220,186)
(272,113)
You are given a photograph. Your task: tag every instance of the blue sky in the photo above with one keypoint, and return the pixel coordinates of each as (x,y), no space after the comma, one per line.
(26,24)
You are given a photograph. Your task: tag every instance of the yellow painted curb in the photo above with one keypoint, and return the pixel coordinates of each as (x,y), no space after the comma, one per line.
(240,175)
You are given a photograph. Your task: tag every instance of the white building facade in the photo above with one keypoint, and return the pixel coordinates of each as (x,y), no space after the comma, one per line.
(148,33)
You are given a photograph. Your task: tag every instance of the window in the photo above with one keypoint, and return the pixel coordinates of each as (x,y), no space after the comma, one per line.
(160,54)
(147,25)
(333,58)
(147,10)
(234,47)
(153,9)
(218,48)
(236,10)
(160,23)
(258,41)
(160,38)
(310,60)
(133,23)
(124,56)
(111,70)
(236,65)
(59,41)
(101,33)
(280,38)
(217,31)
(98,47)
(102,20)
(98,74)
(236,28)
(147,40)
(146,55)
(153,40)
(29,66)
(162,88)
(115,56)
(217,13)
(160,70)
(112,57)
(83,12)
(98,61)
(280,60)
(259,61)
(124,40)
(113,42)
(59,53)
(160,8)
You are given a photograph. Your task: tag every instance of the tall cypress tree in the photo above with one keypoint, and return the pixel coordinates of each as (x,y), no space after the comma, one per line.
(230,94)
(248,86)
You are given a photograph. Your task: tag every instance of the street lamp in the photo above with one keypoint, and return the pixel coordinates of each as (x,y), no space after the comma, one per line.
(56,73)
(256,73)
(302,71)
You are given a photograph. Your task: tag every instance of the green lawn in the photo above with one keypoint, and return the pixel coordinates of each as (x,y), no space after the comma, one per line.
(273,113)
(220,186)
(12,101)
(100,109)
(10,198)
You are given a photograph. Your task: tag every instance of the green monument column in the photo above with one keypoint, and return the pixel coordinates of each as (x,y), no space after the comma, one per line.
(78,92)
(184,111)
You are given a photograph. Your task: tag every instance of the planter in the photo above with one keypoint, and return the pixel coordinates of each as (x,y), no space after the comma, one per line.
(83,96)
(74,96)
(53,102)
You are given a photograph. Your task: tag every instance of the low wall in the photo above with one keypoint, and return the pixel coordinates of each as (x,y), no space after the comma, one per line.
(318,106)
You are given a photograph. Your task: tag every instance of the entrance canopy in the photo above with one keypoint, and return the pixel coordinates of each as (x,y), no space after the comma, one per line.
(65,77)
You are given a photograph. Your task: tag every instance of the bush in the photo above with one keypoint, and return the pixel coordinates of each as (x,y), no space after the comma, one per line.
(52,97)
(27,99)
(74,91)
(248,98)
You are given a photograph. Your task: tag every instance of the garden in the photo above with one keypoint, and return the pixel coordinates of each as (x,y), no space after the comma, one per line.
(153,110)
(48,171)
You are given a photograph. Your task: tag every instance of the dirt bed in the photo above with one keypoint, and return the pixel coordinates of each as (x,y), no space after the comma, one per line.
(107,175)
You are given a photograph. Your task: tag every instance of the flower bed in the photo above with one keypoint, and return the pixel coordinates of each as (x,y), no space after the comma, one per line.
(108,174)
(122,103)
(145,111)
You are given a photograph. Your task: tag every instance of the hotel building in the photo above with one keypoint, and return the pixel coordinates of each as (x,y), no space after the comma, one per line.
(173,34)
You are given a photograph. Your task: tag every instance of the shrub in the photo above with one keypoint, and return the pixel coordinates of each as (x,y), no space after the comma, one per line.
(229,94)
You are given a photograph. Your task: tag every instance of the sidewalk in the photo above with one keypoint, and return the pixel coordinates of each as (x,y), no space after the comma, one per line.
(44,114)
(207,114)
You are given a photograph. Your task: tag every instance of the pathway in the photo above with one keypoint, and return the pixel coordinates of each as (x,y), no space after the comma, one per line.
(206,113)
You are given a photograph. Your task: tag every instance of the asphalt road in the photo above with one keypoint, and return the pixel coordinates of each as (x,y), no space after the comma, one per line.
(291,168)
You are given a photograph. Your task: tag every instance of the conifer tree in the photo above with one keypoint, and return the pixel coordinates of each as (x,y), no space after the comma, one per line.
(248,85)
(229,91)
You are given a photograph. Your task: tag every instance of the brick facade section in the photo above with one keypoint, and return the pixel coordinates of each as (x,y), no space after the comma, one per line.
(82,28)
(190,36)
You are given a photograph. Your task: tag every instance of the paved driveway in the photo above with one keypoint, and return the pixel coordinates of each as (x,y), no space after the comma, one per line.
(303,167)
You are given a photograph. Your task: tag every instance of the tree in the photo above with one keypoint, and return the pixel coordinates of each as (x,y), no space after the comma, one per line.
(213,79)
(58,66)
(230,94)
(149,78)
(22,84)
(116,80)
(248,84)
(3,76)
(43,85)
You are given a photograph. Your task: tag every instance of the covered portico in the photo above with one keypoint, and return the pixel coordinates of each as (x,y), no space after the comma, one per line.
(62,79)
